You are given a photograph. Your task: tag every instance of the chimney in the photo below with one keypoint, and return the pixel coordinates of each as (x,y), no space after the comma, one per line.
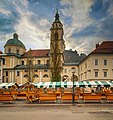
(97,45)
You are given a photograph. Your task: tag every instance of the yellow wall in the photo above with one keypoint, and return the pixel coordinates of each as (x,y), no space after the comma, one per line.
(14,49)
(88,67)
(67,70)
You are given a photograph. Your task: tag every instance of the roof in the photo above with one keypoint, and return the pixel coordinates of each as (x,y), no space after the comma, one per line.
(69,55)
(1,52)
(76,84)
(12,54)
(40,66)
(105,47)
(15,42)
(71,64)
(73,57)
(36,53)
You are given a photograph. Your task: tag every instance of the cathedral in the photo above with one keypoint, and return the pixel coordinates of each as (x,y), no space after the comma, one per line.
(54,64)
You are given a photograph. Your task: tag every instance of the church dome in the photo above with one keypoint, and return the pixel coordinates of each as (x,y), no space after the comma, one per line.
(15,42)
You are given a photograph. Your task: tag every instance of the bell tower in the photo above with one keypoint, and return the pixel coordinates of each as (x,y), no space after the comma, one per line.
(57,47)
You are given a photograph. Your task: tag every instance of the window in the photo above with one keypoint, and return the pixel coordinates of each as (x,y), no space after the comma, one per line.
(18,73)
(26,75)
(38,62)
(65,70)
(17,51)
(3,61)
(85,65)
(96,62)
(22,62)
(26,71)
(85,75)
(47,62)
(35,75)
(45,70)
(96,74)
(81,76)
(35,70)
(9,50)
(105,62)
(6,80)
(45,76)
(0,62)
(3,81)
(105,73)
(6,73)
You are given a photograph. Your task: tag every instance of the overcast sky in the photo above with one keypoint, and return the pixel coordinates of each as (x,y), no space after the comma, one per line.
(86,22)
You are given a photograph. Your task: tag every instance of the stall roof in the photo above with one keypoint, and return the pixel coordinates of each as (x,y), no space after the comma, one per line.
(7,85)
(76,84)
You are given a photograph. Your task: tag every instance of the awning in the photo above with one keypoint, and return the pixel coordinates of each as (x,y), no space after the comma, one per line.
(76,84)
(6,85)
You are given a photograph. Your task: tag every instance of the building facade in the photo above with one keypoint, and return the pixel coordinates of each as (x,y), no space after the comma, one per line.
(98,65)
(21,66)
(1,67)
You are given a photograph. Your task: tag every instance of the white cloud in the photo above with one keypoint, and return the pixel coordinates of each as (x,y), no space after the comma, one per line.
(4,11)
(33,35)
(32,30)
(78,11)
(83,44)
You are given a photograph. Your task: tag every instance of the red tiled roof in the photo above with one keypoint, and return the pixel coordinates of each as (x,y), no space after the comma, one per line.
(105,47)
(37,53)
(1,52)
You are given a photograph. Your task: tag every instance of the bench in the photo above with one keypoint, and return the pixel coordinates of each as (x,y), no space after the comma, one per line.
(6,98)
(68,97)
(21,95)
(47,97)
(92,97)
(109,97)
(32,97)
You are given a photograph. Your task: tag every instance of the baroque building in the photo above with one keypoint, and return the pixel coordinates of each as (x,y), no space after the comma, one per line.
(54,64)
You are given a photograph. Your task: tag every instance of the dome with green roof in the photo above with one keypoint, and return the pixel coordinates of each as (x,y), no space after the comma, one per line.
(15,41)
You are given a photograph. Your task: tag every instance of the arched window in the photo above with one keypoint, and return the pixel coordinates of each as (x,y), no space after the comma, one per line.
(26,75)
(45,76)
(9,50)
(35,76)
(17,51)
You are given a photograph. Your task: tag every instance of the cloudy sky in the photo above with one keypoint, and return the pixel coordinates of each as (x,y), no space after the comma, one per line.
(86,22)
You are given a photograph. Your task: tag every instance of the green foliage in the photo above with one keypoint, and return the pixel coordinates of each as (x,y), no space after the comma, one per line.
(56,78)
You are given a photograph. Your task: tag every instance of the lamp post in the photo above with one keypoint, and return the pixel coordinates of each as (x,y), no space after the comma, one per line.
(73,94)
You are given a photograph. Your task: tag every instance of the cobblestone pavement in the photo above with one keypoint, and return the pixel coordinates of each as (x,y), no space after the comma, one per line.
(18,111)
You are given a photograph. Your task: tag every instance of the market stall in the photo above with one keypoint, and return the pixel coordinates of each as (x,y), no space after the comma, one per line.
(7,91)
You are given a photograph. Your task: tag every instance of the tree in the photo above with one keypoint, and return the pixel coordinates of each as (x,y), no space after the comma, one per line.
(56,68)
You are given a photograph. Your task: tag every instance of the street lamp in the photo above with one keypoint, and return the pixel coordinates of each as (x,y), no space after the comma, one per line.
(73,94)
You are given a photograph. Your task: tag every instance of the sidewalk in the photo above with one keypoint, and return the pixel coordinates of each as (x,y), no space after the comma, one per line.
(24,103)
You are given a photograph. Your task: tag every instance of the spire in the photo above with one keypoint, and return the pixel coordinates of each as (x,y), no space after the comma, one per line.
(15,36)
(57,16)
